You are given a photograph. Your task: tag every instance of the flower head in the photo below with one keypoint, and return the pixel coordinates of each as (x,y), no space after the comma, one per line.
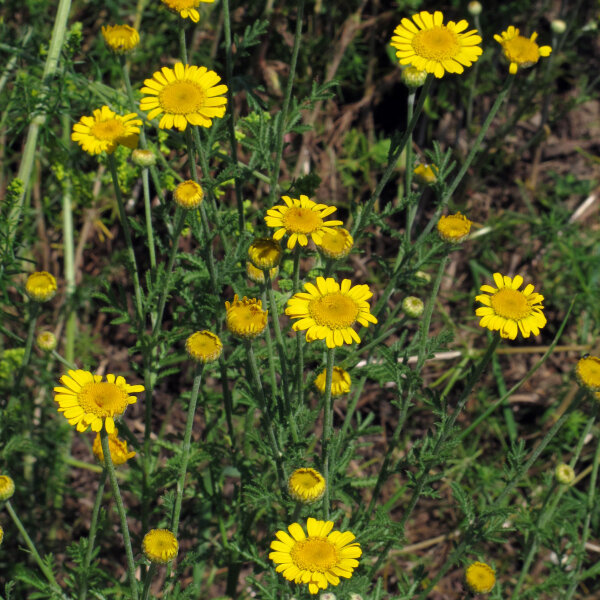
(160,546)
(87,401)
(143,158)
(1,535)
(187,9)
(319,558)
(413,78)
(258,275)
(507,309)
(454,228)
(425,174)
(204,346)
(328,310)
(7,487)
(105,130)
(182,95)
(265,253)
(413,306)
(564,474)
(588,372)
(245,317)
(336,244)
(306,485)
(429,45)
(188,195)
(480,577)
(46,341)
(120,38)
(118,449)
(41,286)
(300,218)
(519,50)
(340,382)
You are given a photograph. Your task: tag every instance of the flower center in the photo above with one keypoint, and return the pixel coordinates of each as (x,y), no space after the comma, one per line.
(181,97)
(335,310)
(335,242)
(589,371)
(181,4)
(314,554)
(187,190)
(510,304)
(108,130)
(305,480)
(437,43)
(302,220)
(103,399)
(522,51)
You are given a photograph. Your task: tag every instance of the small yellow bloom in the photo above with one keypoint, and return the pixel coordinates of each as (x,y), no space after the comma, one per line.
(480,577)
(564,474)
(588,372)
(120,38)
(454,228)
(46,341)
(204,346)
(246,318)
(41,286)
(425,174)
(118,449)
(187,9)
(340,382)
(1,535)
(160,546)
(336,244)
(7,487)
(306,485)
(265,253)
(258,275)
(188,195)
(519,50)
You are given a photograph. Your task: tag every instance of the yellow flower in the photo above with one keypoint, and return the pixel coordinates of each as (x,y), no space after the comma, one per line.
(185,94)
(306,485)
(519,50)
(424,174)
(318,559)
(160,546)
(87,400)
(300,218)
(336,243)
(1,535)
(120,38)
(7,487)
(431,46)
(564,474)
(187,9)
(480,577)
(46,341)
(105,130)
(204,346)
(188,195)
(41,286)
(265,253)
(454,228)
(340,382)
(328,310)
(246,318)
(258,275)
(118,449)
(588,372)
(508,310)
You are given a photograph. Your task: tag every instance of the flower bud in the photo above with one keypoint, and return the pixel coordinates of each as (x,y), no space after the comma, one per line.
(46,341)
(564,474)
(41,286)
(143,158)
(413,78)
(7,487)
(413,307)
(558,26)
(474,8)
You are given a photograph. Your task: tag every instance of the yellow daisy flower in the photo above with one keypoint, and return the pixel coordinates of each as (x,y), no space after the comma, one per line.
(425,174)
(188,195)
(187,9)
(87,401)
(340,382)
(118,449)
(7,487)
(328,310)
(519,50)
(246,318)
(265,253)
(160,546)
(508,310)
(319,558)
(1,534)
(184,94)
(41,286)
(480,578)
(454,228)
(429,45)
(588,372)
(120,38)
(204,346)
(336,244)
(306,485)
(300,218)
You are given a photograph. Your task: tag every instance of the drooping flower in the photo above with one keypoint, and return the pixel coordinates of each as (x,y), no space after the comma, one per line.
(306,485)
(429,45)
(105,130)
(328,310)
(204,346)
(120,38)
(187,9)
(246,318)
(588,372)
(319,558)
(519,50)
(87,401)
(118,449)
(510,310)
(41,286)
(454,228)
(300,218)
(336,244)
(188,195)
(7,487)
(160,546)
(182,95)
(340,382)
(265,253)
(480,577)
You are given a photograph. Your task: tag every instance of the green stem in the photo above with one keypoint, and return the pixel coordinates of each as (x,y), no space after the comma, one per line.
(114,484)
(148,581)
(182,44)
(227,398)
(408,174)
(299,337)
(327,422)
(34,311)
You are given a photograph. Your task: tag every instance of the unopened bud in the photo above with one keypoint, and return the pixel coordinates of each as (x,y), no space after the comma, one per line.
(474,8)
(413,78)
(413,306)
(564,474)
(143,158)
(558,26)
(46,341)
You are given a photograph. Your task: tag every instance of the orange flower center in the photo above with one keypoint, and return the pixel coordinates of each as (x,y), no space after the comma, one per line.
(335,310)
(181,97)
(314,554)
(510,304)
(522,51)
(302,220)
(103,399)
